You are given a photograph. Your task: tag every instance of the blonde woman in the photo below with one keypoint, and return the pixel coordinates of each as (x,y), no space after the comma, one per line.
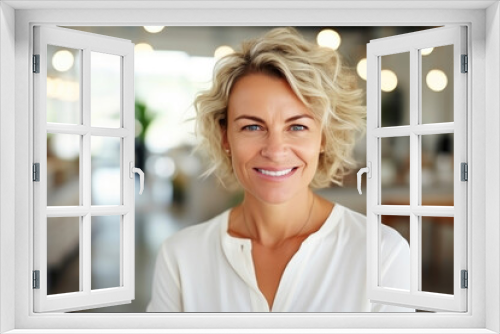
(281,117)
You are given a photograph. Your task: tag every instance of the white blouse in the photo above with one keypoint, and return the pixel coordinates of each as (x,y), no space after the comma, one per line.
(204,269)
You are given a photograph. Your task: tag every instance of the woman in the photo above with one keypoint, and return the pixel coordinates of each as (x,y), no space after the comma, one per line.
(282,117)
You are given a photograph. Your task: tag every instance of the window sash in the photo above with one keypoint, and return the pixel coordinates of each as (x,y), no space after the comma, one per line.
(86,297)
(412,43)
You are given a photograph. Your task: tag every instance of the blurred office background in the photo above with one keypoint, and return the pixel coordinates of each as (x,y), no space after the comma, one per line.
(172,64)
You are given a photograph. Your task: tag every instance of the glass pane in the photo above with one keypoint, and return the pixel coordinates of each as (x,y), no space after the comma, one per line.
(437,169)
(437,84)
(105,251)
(437,254)
(401,224)
(63,168)
(395,171)
(63,85)
(106,183)
(395,86)
(63,255)
(105,90)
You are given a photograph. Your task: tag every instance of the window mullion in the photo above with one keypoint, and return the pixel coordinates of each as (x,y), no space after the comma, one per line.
(415,244)
(85,241)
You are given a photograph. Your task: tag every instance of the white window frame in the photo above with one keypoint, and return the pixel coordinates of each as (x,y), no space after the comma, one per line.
(411,43)
(123,50)
(483,21)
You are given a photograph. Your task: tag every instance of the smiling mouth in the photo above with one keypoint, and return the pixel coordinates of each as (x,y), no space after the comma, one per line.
(275,173)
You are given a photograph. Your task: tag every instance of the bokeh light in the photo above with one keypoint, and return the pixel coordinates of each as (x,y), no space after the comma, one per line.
(389,80)
(426,52)
(63,60)
(153,29)
(329,38)
(361,68)
(143,47)
(223,51)
(436,80)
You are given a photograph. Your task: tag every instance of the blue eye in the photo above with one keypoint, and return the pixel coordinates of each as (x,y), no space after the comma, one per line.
(252,127)
(298,128)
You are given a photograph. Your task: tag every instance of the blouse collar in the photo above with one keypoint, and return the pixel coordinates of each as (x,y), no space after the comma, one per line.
(328,226)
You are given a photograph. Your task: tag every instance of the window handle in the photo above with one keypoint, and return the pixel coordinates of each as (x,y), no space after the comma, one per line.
(138,171)
(368,171)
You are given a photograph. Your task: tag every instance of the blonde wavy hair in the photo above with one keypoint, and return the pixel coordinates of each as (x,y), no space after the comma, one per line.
(320,80)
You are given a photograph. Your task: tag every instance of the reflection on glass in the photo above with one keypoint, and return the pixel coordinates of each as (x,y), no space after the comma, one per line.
(395,86)
(63,249)
(395,171)
(105,90)
(105,246)
(63,85)
(106,183)
(437,254)
(437,85)
(402,226)
(437,169)
(63,166)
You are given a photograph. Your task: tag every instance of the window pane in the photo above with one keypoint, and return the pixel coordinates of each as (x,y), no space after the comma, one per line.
(395,89)
(437,84)
(63,167)
(106,246)
(63,255)
(63,85)
(437,254)
(106,183)
(105,90)
(395,171)
(437,169)
(402,226)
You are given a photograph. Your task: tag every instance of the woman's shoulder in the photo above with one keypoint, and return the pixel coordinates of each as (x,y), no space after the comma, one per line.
(195,236)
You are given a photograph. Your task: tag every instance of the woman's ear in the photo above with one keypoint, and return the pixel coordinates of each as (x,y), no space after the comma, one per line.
(224,140)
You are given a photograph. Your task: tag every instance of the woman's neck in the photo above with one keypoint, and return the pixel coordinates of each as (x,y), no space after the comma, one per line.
(272,224)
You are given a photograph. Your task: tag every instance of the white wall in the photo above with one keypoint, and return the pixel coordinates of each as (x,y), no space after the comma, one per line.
(7,160)
(492,147)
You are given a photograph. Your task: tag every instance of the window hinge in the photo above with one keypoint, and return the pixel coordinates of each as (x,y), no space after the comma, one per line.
(464,171)
(36,63)
(36,172)
(36,279)
(465,64)
(465,279)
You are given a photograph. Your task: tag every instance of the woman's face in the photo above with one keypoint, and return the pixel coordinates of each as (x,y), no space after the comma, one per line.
(273,138)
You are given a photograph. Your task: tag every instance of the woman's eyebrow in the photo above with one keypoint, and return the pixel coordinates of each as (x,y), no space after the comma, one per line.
(294,118)
(257,119)
(252,118)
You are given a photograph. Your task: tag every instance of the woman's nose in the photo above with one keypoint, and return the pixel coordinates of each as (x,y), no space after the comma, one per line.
(275,146)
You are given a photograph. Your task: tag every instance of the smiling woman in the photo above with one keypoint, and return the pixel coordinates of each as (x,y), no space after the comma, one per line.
(281,117)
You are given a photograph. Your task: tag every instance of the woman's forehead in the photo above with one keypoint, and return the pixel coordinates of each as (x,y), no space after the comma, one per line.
(264,95)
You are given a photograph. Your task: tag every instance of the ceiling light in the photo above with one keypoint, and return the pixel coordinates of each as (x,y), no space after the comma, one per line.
(153,29)
(389,80)
(426,52)
(143,47)
(436,80)
(223,51)
(63,60)
(329,38)
(361,68)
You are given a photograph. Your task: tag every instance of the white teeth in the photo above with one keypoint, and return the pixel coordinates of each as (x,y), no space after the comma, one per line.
(277,173)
